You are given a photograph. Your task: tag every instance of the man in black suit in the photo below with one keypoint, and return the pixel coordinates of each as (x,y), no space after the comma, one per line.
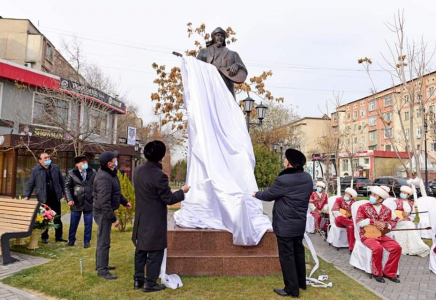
(291,191)
(152,195)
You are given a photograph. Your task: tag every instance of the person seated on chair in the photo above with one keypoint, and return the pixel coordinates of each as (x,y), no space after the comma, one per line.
(410,241)
(377,214)
(318,203)
(345,221)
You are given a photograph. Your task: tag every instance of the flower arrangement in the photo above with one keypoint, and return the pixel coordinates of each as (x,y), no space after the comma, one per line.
(44,218)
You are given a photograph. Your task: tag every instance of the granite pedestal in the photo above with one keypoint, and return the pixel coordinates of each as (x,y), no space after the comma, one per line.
(208,252)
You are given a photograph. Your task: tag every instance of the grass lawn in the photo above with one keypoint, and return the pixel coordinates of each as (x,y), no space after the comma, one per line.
(61,277)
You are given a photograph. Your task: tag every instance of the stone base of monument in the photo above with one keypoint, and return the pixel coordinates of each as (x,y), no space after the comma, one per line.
(206,252)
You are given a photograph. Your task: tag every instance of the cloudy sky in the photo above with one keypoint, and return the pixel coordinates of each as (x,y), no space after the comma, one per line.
(312,47)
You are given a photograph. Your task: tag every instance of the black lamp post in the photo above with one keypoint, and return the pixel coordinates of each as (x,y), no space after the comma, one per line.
(248,107)
(138,155)
(276,146)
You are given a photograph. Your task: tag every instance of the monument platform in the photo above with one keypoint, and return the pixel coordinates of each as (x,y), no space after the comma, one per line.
(208,252)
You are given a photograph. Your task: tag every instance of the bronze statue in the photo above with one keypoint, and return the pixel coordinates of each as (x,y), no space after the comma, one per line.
(228,62)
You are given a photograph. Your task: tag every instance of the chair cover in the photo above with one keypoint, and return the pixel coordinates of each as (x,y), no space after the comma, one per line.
(310,222)
(433,233)
(424,204)
(336,236)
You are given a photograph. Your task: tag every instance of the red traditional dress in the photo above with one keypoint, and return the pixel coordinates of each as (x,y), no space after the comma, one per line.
(317,201)
(367,214)
(342,221)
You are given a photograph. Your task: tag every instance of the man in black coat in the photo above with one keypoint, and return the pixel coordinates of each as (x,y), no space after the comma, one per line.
(152,195)
(290,191)
(79,186)
(47,180)
(107,199)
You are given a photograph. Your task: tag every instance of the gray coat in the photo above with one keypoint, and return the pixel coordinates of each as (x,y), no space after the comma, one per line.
(78,191)
(291,191)
(38,182)
(152,195)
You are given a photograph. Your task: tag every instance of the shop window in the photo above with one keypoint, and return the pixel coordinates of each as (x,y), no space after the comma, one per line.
(98,122)
(50,111)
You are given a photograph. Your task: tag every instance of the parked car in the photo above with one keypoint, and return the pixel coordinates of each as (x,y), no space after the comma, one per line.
(394,183)
(360,184)
(432,186)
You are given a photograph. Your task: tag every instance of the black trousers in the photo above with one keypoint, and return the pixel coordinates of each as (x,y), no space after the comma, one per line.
(153,260)
(292,261)
(55,205)
(103,242)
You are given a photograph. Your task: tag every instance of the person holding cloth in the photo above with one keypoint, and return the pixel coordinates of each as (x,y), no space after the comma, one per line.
(107,199)
(290,191)
(47,180)
(152,195)
(79,186)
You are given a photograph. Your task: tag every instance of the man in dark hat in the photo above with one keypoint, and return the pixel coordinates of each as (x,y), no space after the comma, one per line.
(107,199)
(227,61)
(290,191)
(79,187)
(152,195)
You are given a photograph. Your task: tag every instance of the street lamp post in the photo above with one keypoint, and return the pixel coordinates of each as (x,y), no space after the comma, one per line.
(248,107)
(281,143)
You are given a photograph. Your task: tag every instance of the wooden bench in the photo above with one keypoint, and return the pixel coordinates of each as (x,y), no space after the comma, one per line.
(17,218)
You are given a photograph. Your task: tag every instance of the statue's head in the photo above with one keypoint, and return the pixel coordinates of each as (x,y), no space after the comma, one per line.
(218,37)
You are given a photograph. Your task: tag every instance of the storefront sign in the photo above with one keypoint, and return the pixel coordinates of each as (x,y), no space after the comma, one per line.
(75,87)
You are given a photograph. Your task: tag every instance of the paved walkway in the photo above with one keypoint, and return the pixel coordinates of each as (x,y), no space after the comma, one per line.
(25,261)
(417,282)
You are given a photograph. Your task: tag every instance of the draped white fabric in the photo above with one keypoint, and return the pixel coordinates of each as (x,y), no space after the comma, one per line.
(220,160)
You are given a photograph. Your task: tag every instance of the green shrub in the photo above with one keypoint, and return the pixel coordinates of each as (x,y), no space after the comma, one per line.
(125,216)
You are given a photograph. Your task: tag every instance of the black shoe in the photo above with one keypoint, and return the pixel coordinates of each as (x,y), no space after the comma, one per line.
(379,279)
(393,279)
(138,284)
(61,239)
(45,241)
(281,292)
(70,244)
(155,288)
(110,268)
(108,276)
(86,245)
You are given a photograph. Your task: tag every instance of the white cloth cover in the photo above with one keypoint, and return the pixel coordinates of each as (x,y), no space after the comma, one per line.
(310,222)
(172,281)
(220,150)
(433,231)
(424,204)
(336,236)
(362,255)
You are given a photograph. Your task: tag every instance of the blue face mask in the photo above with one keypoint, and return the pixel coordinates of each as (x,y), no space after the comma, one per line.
(116,163)
(346,198)
(372,200)
(85,167)
(319,190)
(47,162)
(403,196)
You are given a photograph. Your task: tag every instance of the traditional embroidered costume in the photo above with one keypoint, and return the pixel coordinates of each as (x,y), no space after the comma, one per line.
(345,221)
(318,203)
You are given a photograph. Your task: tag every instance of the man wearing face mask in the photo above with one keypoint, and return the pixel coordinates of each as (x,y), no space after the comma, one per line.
(79,187)
(47,180)
(318,203)
(375,213)
(107,199)
(345,221)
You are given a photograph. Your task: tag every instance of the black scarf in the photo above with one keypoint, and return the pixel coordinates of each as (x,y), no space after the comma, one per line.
(112,172)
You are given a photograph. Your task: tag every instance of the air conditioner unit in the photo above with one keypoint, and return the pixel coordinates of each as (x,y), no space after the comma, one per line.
(28,65)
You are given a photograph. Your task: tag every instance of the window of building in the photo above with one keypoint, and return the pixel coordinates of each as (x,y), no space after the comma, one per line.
(430,92)
(373,147)
(355,140)
(372,136)
(98,122)
(419,113)
(345,165)
(355,127)
(419,132)
(372,120)
(50,111)
(371,105)
(348,116)
(362,112)
(432,109)
(388,132)
(388,116)
(335,117)
(362,139)
(432,146)
(49,52)
(335,129)
(362,103)
(354,115)
(366,161)
(406,115)
(388,147)
(406,98)
(407,132)
(387,101)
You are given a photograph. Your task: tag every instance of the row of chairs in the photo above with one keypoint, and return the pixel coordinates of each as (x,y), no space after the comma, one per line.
(361,255)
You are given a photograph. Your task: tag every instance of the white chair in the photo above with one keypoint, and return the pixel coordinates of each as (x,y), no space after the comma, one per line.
(362,255)
(336,236)
(310,222)
(424,204)
(390,203)
(432,213)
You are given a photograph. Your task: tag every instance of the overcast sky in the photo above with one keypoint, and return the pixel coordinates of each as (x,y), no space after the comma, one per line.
(311,46)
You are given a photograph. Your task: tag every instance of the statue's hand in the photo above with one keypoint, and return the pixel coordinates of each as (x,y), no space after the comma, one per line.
(233,70)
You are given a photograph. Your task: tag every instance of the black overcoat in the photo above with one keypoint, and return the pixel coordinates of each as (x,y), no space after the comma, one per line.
(38,182)
(78,191)
(291,191)
(152,195)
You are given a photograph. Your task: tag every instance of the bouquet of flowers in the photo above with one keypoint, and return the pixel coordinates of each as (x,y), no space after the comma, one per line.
(44,218)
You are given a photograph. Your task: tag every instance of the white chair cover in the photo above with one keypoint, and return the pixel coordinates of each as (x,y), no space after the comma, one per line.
(432,213)
(362,255)
(424,204)
(390,203)
(336,236)
(310,222)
